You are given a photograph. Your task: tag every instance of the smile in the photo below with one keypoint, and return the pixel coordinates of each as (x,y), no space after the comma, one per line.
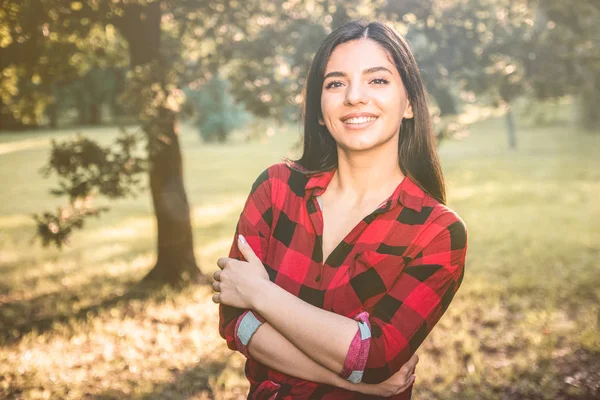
(359,120)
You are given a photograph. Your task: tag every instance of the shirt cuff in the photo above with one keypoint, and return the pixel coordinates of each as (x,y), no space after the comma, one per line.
(247,324)
(356,359)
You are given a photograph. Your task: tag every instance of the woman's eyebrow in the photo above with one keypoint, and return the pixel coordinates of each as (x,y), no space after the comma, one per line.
(375,69)
(367,71)
(334,74)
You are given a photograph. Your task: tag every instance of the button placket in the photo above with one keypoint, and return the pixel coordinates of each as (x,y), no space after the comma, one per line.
(316,219)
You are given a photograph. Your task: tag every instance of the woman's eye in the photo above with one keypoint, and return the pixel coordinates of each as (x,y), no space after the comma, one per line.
(333,84)
(380,81)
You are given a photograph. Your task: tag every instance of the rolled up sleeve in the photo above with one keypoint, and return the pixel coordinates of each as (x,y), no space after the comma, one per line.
(237,325)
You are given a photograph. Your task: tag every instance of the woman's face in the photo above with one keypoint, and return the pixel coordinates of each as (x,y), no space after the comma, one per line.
(363,99)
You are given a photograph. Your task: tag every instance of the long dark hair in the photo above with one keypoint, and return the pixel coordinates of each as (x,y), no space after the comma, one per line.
(417,154)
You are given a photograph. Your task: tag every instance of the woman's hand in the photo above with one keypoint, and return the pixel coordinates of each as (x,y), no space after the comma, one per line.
(237,282)
(395,384)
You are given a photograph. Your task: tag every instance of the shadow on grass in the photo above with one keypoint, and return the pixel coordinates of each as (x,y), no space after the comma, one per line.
(19,318)
(575,376)
(129,248)
(191,382)
(16,266)
(4,289)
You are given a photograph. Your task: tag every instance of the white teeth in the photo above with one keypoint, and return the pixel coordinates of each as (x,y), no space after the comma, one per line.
(359,120)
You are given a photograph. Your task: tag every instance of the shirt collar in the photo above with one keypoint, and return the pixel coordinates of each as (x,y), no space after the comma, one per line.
(407,193)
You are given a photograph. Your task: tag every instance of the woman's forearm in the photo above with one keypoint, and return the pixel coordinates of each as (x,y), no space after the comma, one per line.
(323,336)
(270,348)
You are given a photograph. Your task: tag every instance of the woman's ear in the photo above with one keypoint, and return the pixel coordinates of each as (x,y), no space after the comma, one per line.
(408,113)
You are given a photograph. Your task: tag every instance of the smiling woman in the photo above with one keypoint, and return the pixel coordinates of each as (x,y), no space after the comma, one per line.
(345,259)
(376,90)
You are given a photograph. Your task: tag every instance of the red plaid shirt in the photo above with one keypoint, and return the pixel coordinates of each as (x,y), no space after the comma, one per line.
(399,267)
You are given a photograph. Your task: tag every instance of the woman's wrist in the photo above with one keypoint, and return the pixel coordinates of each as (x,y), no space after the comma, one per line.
(363,388)
(261,294)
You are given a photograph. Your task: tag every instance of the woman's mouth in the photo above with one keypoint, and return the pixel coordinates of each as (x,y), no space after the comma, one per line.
(359,122)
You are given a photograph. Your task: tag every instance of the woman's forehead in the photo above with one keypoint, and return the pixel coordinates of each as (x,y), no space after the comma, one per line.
(359,54)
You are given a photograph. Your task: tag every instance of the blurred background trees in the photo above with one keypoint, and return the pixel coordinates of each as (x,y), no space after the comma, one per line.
(216,113)
(90,62)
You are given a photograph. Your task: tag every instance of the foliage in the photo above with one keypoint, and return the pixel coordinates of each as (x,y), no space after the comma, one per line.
(86,170)
(479,49)
(216,112)
(573,34)
(493,47)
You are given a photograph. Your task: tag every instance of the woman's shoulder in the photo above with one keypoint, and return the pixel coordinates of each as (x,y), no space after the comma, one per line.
(282,167)
(288,172)
(280,176)
(447,225)
(442,215)
(279,171)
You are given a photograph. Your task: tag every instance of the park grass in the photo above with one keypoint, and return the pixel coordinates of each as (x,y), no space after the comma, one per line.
(525,324)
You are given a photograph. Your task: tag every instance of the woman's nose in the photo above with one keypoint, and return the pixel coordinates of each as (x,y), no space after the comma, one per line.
(356,94)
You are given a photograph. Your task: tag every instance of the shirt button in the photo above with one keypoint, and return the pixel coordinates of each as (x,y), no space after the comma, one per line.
(317,278)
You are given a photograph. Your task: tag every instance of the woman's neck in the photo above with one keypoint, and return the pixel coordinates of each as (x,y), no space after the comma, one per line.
(363,176)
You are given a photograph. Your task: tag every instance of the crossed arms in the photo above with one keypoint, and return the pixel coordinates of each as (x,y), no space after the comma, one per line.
(313,344)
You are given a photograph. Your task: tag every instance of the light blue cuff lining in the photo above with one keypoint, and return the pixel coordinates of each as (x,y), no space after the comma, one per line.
(365,332)
(248,326)
(355,376)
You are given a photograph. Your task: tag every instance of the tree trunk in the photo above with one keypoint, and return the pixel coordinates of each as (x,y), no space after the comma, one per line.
(444,100)
(82,109)
(52,113)
(175,251)
(511,128)
(8,121)
(95,110)
(589,117)
(176,261)
(221,135)
(115,107)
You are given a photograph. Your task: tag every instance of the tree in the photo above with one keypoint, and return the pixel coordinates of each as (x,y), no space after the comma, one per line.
(155,32)
(572,42)
(264,49)
(273,43)
(28,55)
(217,113)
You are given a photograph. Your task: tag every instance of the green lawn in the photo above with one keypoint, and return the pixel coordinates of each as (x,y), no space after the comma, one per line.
(525,324)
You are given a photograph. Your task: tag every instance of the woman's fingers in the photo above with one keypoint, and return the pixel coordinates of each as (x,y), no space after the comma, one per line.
(216,286)
(410,381)
(410,366)
(414,360)
(247,251)
(216,298)
(405,375)
(217,275)
(222,262)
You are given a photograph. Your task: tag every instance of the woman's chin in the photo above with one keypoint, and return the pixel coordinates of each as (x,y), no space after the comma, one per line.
(358,146)
(366,143)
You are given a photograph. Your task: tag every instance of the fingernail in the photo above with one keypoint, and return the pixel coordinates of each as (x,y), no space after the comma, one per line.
(242,239)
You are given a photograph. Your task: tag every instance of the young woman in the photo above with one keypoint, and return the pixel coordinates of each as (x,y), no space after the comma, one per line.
(344,260)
